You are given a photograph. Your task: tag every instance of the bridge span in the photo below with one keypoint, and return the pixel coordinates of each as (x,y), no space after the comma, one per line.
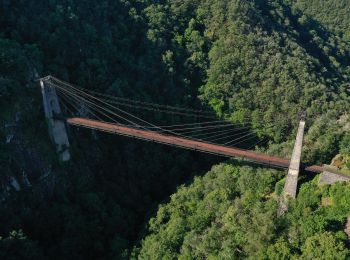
(188,143)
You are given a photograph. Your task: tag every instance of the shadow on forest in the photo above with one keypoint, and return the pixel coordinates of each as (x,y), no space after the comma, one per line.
(305,33)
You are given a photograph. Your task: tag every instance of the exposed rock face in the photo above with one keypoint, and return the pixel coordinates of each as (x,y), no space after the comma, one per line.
(27,162)
(347,227)
(345,122)
(14,183)
(338,161)
(328,177)
(326,202)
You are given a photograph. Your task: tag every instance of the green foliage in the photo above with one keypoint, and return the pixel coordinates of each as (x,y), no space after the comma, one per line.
(279,250)
(332,14)
(220,215)
(340,195)
(324,246)
(345,144)
(18,246)
(279,186)
(230,213)
(255,61)
(322,140)
(261,63)
(95,206)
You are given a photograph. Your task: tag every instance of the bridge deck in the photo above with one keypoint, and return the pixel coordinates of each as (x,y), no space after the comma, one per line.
(186,143)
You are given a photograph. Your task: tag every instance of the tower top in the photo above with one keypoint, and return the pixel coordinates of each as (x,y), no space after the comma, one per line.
(302,115)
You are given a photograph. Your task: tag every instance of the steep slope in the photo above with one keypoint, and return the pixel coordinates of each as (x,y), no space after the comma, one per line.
(265,60)
(94,206)
(256,61)
(231,213)
(333,14)
(269,63)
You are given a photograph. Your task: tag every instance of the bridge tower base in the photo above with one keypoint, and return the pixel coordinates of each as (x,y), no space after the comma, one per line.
(57,128)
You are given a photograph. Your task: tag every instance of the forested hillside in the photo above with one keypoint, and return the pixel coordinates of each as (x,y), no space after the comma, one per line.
(231,213)
(252,61)
(332,14)
(264,60)
(96,205)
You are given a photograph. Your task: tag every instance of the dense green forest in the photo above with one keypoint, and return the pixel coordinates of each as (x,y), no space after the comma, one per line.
(247,60)
(231,213)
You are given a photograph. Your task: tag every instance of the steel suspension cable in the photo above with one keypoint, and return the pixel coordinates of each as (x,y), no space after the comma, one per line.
(133,101)
(262,141)
(238,138)
(63,95)
(165,130)
(108,110)
(70,85)
(222,132)
(206,129)
(65,105)
(244,140)
(89,101)
(91,108)
(229,136)
(199,123)
(225,137)
(93,104)
(159,110)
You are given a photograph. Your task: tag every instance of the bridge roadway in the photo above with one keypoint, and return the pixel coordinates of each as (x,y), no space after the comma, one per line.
(187,143)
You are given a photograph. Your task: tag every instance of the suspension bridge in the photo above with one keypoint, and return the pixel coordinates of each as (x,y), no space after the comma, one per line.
(90,109)
(65,103)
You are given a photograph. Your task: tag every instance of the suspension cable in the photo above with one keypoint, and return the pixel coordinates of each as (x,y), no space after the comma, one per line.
(79,95)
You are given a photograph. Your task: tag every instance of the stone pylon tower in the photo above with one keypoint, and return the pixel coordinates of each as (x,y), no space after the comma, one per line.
(57,128)
(291,185)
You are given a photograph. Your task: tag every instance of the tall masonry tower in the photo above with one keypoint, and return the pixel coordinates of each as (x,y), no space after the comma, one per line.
(57,128)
